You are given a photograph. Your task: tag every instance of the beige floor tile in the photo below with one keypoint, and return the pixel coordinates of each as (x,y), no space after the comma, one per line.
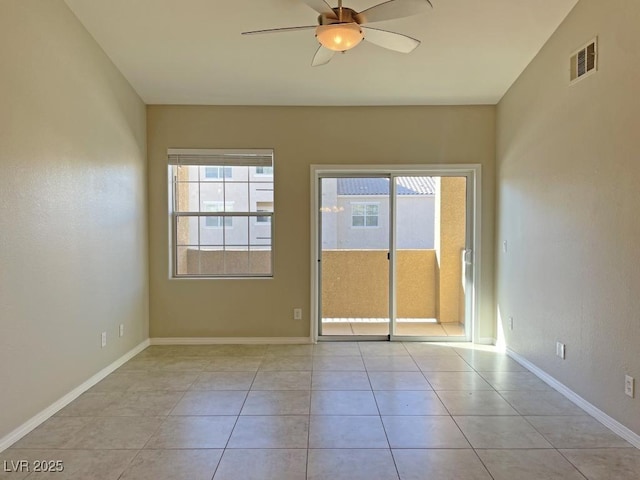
(289,431)
(576,432)
(143,404)
(421,349)
(181,364)
(500,432)
(142,364)
(187,350)
(117,382)
(457,381)
(478,402)
(193,432)
(286,363)
(514,381)
(351,464)
(328,380)
(289,350)
(398,381)
(385,349)
(346,402)
(338,363)
(528,465)
(441,363)
(606,464)
(223,381)
(181,464)
(346,432)
(159,380)
(57,432)
(178,407)
(282,381)
(117,433)
(233,364)
(77,464)
(241,350)
(89,404)
(494,363)
(255,464)
(169,363)
(390,364)
(212,402)
(263,402)
(409,403)
(423,432)
(440,464)
(336,348)
(547,402)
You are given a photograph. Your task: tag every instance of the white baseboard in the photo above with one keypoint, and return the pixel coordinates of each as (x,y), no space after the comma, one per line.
(33,422)
(629,435)
(229,340)
(486,341)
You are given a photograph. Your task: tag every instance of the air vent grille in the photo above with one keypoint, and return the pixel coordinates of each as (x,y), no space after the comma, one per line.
(584,61)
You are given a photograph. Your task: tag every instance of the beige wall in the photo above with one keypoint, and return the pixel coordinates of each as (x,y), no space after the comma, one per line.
(73,242)
(568,200)
(301,136)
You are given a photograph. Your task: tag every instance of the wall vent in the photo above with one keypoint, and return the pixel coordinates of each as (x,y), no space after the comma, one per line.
(584,61)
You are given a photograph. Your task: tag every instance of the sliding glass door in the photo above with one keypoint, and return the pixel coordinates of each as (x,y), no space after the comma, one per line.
(354,247)
(394,255)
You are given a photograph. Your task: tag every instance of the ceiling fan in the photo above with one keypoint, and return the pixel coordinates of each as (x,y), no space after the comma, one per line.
(340,28)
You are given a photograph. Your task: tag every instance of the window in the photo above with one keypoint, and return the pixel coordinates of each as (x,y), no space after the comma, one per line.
(264,171)
(217,172)
(364,215)
(264,207)
(221,213)
(217,222)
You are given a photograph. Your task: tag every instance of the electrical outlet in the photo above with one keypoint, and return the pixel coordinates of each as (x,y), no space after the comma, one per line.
(510,323)
(504,246)
(560,350)
(297,314)
(103,340)
(629,386)
(121,330)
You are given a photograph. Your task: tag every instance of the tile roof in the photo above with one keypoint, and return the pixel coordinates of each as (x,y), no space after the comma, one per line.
(380,186)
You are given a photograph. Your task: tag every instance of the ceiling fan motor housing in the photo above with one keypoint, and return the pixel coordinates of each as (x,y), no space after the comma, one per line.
(347,16)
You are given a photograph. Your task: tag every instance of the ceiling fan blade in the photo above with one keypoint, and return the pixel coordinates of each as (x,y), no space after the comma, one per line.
(322,57)
(392,9)
(322,7)
(278,30)
(390,40)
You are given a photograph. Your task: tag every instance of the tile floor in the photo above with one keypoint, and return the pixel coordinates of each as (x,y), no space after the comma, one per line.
(373,411)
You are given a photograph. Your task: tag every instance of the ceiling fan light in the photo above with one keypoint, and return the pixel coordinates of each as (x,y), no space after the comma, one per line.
(339,37)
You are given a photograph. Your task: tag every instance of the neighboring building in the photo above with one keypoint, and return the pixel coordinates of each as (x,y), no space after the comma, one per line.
(356,213)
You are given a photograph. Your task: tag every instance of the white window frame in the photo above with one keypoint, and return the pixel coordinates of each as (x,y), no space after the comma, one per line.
(223,159)
(364,215)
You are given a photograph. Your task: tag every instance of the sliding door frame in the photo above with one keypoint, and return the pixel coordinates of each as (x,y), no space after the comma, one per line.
(473,174)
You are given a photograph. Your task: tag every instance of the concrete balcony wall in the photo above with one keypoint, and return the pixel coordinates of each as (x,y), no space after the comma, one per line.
(355,284)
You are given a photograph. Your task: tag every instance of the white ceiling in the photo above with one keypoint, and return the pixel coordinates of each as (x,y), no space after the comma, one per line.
(191,51)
